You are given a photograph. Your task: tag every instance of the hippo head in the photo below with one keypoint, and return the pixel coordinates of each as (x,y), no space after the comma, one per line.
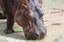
(29,16)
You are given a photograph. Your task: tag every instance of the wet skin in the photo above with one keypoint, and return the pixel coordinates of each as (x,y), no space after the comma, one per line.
(26,13)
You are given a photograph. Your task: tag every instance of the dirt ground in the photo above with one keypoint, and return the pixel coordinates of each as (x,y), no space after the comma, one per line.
(53,21)
(54,24)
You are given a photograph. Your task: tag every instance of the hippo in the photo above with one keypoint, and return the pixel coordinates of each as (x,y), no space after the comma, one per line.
(27,14)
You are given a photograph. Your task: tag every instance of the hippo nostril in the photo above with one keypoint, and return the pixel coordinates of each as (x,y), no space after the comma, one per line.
(42,35)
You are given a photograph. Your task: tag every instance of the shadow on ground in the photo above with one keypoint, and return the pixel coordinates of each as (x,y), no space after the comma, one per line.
(18,31)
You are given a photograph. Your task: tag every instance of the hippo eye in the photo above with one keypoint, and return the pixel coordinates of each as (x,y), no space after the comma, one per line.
(24,5)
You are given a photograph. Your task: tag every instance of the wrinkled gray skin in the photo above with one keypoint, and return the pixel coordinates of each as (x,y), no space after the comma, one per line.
(36,10)
(38,28)
(35,7)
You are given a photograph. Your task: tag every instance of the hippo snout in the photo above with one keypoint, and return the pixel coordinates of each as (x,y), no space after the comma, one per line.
(34,33)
